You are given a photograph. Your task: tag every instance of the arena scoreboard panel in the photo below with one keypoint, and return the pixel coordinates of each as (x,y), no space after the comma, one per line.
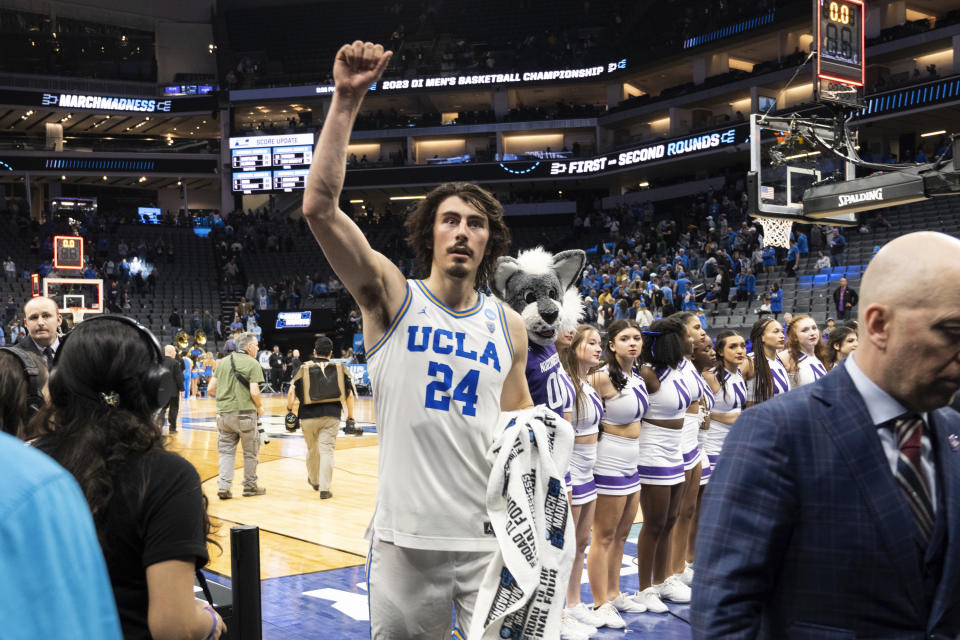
(271,163)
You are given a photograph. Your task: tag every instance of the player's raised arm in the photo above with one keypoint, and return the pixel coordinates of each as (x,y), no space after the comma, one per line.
(370,277)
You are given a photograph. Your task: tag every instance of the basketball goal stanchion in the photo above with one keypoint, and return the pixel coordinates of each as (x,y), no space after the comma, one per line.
(776,231)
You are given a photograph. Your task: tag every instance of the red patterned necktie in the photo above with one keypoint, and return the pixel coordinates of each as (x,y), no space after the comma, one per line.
(908,431)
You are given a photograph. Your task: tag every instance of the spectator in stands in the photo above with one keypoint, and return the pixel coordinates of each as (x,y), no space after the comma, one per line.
(823,262)
(238,411)
(174,319)
(196,322)
(844,299)
(10,269)
(776,299)
(769,259)
(147,504)
(747,287)
(208,325)
(10,310)
(837,247)
(236,325)
(803,244)
(793,259)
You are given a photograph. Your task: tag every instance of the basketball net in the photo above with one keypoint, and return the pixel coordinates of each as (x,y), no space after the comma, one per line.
(776,231)
(77,315)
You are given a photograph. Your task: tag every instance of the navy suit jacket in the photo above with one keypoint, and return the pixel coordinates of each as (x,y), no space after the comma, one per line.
(805,534)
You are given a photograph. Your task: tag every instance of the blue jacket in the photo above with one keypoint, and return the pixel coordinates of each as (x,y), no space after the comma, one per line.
(805,534)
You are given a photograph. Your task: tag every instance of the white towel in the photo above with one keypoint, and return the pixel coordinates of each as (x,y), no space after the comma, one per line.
(523,589)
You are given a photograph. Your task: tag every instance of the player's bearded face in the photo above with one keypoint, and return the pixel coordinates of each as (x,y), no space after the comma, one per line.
(459,238)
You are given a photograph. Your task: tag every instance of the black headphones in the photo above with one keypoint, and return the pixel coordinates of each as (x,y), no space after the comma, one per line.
(35,399)
(157,383)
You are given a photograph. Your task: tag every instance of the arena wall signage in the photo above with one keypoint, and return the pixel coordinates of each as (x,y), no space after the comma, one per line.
(102,103)
(678,150)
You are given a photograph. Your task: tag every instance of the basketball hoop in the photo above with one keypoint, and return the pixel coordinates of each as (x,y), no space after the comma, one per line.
(776,231)
(77,313)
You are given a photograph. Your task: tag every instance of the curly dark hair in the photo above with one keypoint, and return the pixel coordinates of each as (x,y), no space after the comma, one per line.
(91,438)
(14,412)
(420,224)
(664,343)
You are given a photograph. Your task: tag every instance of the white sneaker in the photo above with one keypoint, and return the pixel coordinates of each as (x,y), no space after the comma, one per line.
(650,598)
(625,604)
(569,632)
(674,590)
(686,576)
(609,616)
(582,613)
(588,630)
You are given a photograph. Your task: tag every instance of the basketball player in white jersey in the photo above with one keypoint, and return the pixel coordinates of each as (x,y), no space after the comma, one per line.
(444,361)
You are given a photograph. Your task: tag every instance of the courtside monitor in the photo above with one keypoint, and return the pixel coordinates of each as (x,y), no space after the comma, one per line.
(148,215)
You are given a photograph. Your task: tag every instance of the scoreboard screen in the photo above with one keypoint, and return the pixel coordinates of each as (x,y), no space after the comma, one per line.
(292,156)
(250,181)
(250,159)
(271,163)
(290,179)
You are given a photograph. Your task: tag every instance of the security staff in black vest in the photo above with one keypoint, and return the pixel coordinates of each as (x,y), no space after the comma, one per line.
(174,365)
(42,319)
(320,422)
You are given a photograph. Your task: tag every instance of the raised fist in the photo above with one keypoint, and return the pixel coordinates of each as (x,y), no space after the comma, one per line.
(359,65)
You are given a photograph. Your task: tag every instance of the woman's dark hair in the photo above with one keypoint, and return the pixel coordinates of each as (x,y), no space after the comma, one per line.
(98,414)
(720,370)
(837,336)
(775,286)
(663,343)
(617,377)
(571,364)
(764,377)
(15,391)
(420,224)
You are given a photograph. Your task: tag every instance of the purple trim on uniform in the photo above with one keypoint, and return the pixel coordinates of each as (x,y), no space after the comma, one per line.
(779,384)
(740,390)
(713,459)
(705,471)
(662,373)
(616,482)
(660,472)
(582,490)
(688,457)
(568,478)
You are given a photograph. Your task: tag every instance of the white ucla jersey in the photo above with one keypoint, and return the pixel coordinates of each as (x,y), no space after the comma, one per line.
(437,375)
(809,369)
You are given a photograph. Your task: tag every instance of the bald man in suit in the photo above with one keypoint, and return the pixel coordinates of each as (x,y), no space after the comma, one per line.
(42,319)
(834,510)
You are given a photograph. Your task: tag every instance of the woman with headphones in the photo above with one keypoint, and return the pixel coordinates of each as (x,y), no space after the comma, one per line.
(147,504)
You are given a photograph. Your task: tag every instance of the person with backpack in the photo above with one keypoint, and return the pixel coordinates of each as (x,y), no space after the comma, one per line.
(322,388)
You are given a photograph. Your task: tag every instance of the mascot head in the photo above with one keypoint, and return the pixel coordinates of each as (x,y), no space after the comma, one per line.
(541,287)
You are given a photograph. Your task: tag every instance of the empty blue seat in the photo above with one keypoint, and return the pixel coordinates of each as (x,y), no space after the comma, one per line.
(825,270)
(805,281)
(835,276)
(838,270)
(820,280)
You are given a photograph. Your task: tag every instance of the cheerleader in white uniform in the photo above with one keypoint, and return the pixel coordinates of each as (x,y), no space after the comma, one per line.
(579,359)
(842,342)
(624,395)
(661,465)
(694,421)
(767,377)
(804,353)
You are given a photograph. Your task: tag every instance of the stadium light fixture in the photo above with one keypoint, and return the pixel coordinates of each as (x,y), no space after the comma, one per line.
(407,197)
(933,133)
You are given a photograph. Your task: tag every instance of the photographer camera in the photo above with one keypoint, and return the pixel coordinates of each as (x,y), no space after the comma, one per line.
(322,388)
(147,504)
(236,386)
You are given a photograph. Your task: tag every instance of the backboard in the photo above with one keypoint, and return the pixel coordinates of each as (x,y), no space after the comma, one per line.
(82,295)
(783,166)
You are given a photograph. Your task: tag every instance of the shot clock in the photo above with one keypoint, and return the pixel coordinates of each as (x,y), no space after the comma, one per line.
(840,70)
(68,252)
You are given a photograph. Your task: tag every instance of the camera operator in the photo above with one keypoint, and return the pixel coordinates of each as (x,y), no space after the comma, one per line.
(236,386)
(321,399)
(148,508)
